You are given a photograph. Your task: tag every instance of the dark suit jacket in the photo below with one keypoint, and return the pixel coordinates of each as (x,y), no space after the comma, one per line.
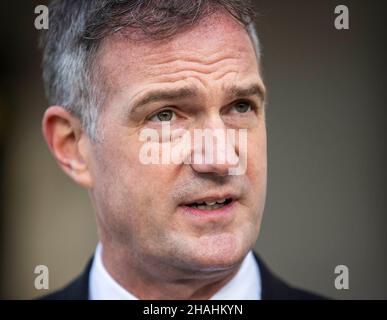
(272,287)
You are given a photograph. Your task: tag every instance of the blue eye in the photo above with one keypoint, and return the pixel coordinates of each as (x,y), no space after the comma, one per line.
(163,116)
(242,107)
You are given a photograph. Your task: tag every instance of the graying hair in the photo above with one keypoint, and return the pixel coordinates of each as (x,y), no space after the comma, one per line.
(77,27)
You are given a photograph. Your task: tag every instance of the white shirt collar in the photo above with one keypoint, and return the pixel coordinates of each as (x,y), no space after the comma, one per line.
(245,285)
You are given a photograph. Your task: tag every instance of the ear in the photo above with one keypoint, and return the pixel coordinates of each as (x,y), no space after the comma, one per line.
(68,143)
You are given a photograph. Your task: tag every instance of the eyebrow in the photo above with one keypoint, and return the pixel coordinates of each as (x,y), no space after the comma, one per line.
(164,94)
(235,92)
(232,92)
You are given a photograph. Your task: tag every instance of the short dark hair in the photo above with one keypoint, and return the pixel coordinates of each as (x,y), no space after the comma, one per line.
(77,28)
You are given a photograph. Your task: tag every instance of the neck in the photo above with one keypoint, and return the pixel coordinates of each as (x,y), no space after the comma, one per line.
(151,280)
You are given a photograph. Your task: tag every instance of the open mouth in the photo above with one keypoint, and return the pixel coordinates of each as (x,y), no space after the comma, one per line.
(210,205)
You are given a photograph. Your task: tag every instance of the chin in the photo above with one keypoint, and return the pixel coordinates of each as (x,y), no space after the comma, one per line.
(219,252)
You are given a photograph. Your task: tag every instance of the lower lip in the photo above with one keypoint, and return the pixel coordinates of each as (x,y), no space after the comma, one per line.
(223,211)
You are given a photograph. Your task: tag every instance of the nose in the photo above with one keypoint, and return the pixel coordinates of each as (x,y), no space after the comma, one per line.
(214,148)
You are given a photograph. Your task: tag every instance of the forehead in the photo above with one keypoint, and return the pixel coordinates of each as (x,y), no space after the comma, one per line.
(217,44)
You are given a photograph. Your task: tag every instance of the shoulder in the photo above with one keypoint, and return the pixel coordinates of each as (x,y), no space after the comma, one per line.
(274,288)
(78,289)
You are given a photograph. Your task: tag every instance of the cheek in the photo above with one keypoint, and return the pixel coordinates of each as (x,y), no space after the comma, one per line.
(257,156)
(127,172)
(131,196)
(257,176)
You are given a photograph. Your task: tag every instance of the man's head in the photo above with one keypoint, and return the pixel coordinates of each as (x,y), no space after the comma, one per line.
(136,65)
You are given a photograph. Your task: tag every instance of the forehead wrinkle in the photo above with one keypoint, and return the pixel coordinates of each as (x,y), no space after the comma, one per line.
(183,67)
(194,67)
(192,57)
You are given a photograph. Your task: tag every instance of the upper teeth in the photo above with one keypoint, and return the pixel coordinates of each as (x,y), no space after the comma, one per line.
(211,203)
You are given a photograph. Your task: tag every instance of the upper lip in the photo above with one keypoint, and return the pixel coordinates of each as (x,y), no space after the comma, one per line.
(211,197)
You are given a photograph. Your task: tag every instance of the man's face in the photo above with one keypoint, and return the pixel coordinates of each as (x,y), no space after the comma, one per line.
(145,207)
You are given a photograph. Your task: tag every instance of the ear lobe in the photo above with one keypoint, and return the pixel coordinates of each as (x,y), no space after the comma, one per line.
(64,136)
